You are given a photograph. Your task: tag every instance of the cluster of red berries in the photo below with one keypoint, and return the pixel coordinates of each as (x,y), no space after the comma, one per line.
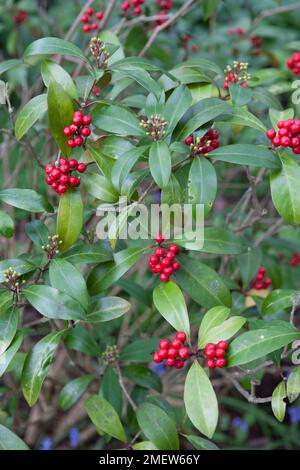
(257,44)
(163,262)
(79,129)
(60,177)
(295,259)
(233,31)
(261,281)
(203,145)
(288,135)
(164,7)
(293,63)
(237,73)
(89,23)
(215,354)
(20,16)
(134,4)
(174,353)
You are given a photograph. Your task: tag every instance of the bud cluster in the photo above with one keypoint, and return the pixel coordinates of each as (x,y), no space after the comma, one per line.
(155,126)
(97,49)
(52,248)
(12,278)
(111,354)
(238,73)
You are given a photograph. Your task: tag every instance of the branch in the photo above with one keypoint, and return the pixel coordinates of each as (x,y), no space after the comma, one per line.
(181,12)
(272,12)
(77,21)
(122,385)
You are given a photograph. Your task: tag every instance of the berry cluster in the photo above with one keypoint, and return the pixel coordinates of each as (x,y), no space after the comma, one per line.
(79,129)
(288,135)
(236,31)
(293,63)
(164,7)
(60,178)
(203,145)
(257,44)
(215,354)
(89,23)
(174,353)
(261,281)
(163,262)
(236,74)
(132,6)
(154,127)
(20,16)
(295,259)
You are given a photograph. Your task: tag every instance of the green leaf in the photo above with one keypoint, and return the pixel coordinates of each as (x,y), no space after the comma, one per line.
(52,72)
(207,110)
(37,364)
(25,199)
(10,441)
(19,265)
(246,154)
(111,390)
(139,351)
(117,120)
(172,193)
(82,340)
(9,319)
(200,400)
(67,279)
(200,443)
(280,115)
(145,445)
(284,190)
(143,78)
(69,218)
(224,331)
(178,103)
(73,390)
(278,404)
(52,303)
(160,163)
(169,301)
(124,165)
(60,114)
(242,117)
(83,253)
(202,283)
(157,426)
(10,64)
(213,240)
(143,376)
(210,8)
(249,263)
(102,309)
(202,183)
(38,232)
(30,114)
(104,417)
(99,279)
(279,300)
(213,317)
(240,95)
(99,187)
(255,344)
(293,385)
(6,225)
(10,352)
(52,45)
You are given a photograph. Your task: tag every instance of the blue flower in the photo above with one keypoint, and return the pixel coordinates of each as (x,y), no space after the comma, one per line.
(294,413)
(74,438)
(239,424)
(159,369)
(46,443)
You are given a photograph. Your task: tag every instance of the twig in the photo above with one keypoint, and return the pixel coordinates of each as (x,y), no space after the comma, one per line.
(122,385)
(76,23)
(268,233)
(272,12)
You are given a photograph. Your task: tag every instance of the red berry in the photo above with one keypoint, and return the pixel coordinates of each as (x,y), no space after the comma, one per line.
(210,363)
(189,140)
(283,132)
(74,181)
(65,167)
(295,142)
(99,15)
(64,179)
(138,11)
(81,167)
(163,277)
(62,188)
(170,255)
(268,282)
(160,238)
(184,353)
(159,251)
(86,120)
(222,345)
(49,179)
(73,163)
(163,353)
(157,358)
(86,28)
(259,286)
(179,365)
(84,19)
(174,248)
(168,271)
(176,266)
(164,344)
(259,277)
(73,128)
(49,168)
(158,268)
(181,336)
(55,185)
(89,11)
(63,161)
(78,141)
(67,131)
(78,113)
(85,131)
(165,262)
(210,353)
(271,133)
(276,141)
(172,352)
(262,270)
(210,346)
(176,343)
(220,352)
(94,26)
(170,361)
(220,362)
(280,124)
(77,120)
(153,259)
(56,173)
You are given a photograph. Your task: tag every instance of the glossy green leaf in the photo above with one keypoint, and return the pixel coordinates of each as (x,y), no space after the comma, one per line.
(169,301)
(143,78)
(143,376)
(278,300)
(25,199)
(293,385)
(6,225)
(160,163)
(38,232)
(9,319)
(223,331)
(111,390)
(37,364)
(249,263)
(102,309)
(53,72)
(99,187)
(202,283)
(145,445)
(30,114)
(213,240)
(213,317)
(52,45)
(200,400)
(60,114)
(117,120)
(7,356)
(66,278)
(104,417)
(240,95)
(278,404)
(284,190)
(69,218)
(73,390)
(82,340)
(246,154)
(124,165)
(242,117)
(53,303)
(84,253)
(157,426)
(178,103)
(10,64)
(200,443)
(139,351)
(10,441)
(280,115)
(19,265)
(202,183)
